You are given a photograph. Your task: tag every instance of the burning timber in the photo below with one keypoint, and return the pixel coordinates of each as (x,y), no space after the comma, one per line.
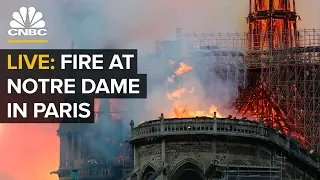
(275,79)
(275,68)
(217,148)
(274,65)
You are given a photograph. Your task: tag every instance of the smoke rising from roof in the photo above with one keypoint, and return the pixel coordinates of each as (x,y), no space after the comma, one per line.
(30,151)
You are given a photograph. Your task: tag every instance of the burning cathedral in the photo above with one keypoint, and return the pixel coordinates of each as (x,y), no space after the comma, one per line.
(274,68)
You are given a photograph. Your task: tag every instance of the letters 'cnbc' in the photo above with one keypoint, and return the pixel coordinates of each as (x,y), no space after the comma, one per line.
(27,22)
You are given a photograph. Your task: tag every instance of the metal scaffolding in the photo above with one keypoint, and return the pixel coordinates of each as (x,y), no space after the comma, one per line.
(281,82)
(229,167)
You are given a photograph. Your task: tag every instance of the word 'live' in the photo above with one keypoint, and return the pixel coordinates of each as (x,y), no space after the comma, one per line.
(23,61)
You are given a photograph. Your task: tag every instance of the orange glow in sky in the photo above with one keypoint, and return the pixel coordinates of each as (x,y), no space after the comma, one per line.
(28,151)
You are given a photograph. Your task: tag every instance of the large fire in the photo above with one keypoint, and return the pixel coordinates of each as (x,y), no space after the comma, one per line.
(259,101)
(182,112)
(252,104)
(183,99)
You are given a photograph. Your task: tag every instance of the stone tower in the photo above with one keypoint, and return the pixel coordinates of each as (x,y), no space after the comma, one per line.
(90,149)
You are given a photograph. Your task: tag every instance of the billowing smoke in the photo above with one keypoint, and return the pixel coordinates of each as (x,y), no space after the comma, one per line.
(30,151)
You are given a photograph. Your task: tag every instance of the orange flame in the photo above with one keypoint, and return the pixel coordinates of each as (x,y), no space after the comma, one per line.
(179,92)
(183,112)
(259,101)
(182,96)
(184,68)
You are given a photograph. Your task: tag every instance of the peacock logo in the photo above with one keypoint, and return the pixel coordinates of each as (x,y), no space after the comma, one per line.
(27,22)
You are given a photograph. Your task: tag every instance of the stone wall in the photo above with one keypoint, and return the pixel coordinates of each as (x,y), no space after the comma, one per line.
(202,154)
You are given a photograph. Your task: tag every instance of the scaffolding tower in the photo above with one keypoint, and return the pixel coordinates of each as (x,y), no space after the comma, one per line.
(285,63)
(274,65)
(280,83)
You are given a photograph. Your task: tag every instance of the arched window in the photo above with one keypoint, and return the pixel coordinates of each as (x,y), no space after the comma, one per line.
(147,173)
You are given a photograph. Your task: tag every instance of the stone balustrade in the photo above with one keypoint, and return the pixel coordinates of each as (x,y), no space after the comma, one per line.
(199,126)
(218,126)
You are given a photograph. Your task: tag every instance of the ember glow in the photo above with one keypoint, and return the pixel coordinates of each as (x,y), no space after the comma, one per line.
(182,112)
(185,100)
(179,92)
(258,101)
(184,68)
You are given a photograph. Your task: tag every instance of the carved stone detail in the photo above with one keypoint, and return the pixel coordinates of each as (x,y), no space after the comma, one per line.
(189,148)
(149,150)
(236,149)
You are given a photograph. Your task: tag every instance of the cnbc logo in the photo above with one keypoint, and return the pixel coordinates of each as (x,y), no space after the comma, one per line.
(27,23)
